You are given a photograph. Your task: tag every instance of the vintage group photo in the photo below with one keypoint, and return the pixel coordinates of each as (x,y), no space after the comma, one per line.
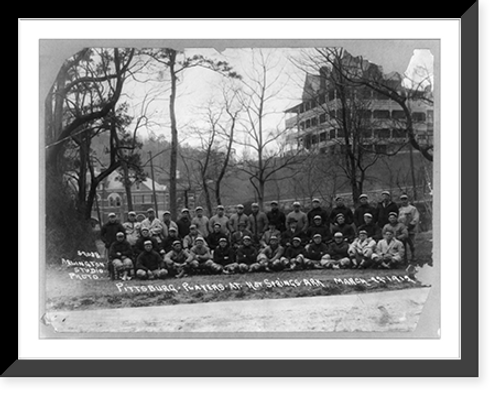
(233,189)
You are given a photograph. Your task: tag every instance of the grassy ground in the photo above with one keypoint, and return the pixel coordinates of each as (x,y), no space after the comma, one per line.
(65,293)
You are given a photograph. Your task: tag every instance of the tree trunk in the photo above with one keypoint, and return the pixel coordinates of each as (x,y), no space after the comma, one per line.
(174,134)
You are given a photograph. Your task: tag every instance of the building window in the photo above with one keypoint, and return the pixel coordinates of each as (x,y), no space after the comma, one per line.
(398,114)
(322,137)
(430,116)
(380,96)
(332,134)
(307,141)
(381,149)
(383,133)
(418,116)
(314,121)
(322,118)
(398,133)
(367,133)
(314,139)
(301,108)
(381,114)
(308,123)
(332,114)
(365,114)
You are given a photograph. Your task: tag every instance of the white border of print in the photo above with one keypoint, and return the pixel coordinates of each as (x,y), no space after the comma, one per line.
(447,347)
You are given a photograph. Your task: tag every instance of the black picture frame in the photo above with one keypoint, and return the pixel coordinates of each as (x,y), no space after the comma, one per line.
(466,366)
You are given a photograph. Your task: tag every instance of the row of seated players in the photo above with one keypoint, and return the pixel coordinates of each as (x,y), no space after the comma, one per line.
(150,258)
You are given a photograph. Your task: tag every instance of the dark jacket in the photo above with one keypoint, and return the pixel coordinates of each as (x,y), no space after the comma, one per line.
(344,210)
(183,224)
(322,229)
(360,211)
(258,224)
(108,232)
(120,247)
(317,211)
(139,245)
(383,211)
(166,243)
(224,256)
(316,251)
(246,254)
(292,252)
(347,231)
(339,251)
(278,218)
(214,237)
(288,235)
(372,230)
(148,261)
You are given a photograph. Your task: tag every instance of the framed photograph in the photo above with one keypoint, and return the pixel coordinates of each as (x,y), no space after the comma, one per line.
(280,198)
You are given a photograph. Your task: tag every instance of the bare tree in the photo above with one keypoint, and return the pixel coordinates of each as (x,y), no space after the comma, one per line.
(266,157)
(176,63)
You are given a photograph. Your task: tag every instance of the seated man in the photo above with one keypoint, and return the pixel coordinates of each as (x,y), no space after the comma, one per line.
(389,252)
(178,260)
(339,252)
(120,255)
(215,235)
(202,258)
(266,237)
(293,257)
(269,259)
(188,241)
(399,230)
(372,229)
(149,263)
(143,237)
(165,245)
(346,229)
(224,257)
(319,226)
(291,232)
(316,253)
(246,255)
(361,250)
(237,236)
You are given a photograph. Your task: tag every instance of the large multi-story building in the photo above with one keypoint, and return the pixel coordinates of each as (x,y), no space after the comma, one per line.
(376,122)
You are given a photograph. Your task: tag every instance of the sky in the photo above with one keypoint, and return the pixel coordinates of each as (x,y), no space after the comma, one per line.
(198,86)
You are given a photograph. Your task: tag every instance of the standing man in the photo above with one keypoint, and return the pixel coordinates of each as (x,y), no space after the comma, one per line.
(317,210)
(258,222)
(341,208)
(410,217)
(108,232)
(167,223)
(299,216)
(238,217)
(277,217)
(132,228)
(183,223)
(363,208)
(220,218)
(385,207)
(153,224)
(201,222)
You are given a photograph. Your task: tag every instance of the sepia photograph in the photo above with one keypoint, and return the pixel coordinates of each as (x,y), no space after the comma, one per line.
(240,188)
